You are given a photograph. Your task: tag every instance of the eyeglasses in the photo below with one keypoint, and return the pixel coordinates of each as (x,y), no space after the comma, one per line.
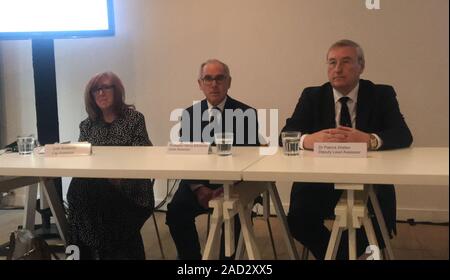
(332,63)
(103,88)
(208,80)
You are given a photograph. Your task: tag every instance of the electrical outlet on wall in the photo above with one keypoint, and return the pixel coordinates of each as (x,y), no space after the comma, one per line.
(7,198)
(12,199)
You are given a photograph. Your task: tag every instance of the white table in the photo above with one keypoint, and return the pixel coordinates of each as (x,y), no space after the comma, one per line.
(130,162)
(413,166)
(426,166)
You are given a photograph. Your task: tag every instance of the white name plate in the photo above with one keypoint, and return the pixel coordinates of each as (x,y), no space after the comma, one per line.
(71,149)
(353,150)
(189,148)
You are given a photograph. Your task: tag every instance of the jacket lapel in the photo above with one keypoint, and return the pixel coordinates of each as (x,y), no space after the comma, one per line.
(229,104)
(204,107)
(363,109)
(329,113)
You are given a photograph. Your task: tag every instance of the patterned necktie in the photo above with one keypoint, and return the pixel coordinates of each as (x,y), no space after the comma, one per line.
(345,119)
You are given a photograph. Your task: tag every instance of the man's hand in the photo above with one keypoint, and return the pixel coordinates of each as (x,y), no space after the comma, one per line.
(205,194)
(353,135)
(326,135)
(341,134)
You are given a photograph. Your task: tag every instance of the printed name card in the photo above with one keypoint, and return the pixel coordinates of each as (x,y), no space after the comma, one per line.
(189,148)
(352,150)
(71,149)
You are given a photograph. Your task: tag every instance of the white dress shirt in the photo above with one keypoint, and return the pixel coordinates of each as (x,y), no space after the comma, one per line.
(351,104)
(220,106)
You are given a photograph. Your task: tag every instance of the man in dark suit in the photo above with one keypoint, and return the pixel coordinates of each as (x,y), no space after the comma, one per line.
(218,112)
(346,109)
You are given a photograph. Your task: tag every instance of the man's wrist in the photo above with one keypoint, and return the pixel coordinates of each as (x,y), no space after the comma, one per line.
(302,141)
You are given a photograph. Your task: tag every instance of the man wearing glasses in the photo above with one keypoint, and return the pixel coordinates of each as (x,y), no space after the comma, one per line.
(346,109)
(218,111)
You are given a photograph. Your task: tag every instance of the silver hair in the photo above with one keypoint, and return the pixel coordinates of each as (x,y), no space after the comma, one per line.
(210,61)
(350,43)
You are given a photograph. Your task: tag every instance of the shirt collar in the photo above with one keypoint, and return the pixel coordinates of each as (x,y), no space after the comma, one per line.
(353,94)
(221,105)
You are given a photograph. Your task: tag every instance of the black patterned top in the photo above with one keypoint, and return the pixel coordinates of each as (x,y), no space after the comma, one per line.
(107,215)
(127,130)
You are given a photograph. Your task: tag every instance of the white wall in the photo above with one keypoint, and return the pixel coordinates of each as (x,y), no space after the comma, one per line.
(274,48)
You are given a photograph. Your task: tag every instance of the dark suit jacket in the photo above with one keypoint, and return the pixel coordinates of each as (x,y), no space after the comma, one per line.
(247,137)
(377,112)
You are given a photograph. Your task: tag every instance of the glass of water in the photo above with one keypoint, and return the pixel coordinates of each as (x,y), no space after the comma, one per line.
(224,143)
(25,145)
(291,142)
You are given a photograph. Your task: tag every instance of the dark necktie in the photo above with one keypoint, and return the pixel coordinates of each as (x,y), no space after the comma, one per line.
(345,119)
(215,112)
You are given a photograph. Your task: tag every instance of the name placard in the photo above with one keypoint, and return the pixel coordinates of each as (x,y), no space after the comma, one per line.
(349,150)
(71,149)
(189,148)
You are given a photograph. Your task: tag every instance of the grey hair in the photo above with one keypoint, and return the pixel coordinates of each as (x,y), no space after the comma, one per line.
(211,61)
(352,44)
